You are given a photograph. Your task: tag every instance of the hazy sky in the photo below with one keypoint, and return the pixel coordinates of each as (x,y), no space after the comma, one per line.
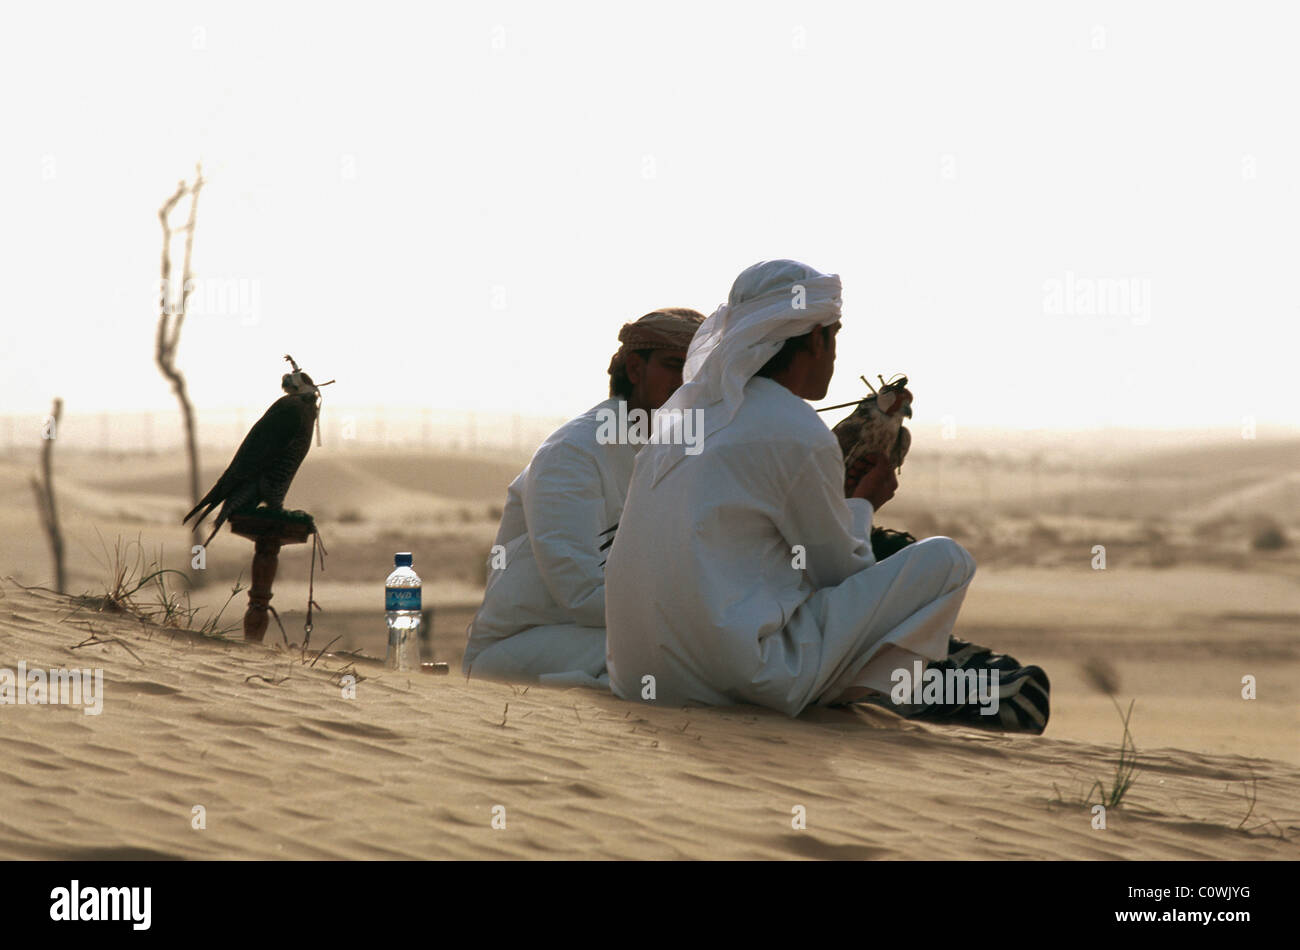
(1045,214)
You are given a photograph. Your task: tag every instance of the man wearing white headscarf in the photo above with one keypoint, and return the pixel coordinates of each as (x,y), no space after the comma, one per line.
(741,573)
(543,614)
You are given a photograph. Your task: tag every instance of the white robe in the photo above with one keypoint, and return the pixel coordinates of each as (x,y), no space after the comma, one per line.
(744,575)
(543,614)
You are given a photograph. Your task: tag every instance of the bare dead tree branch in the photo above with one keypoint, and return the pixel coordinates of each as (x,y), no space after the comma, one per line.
(45,495)
(172,318)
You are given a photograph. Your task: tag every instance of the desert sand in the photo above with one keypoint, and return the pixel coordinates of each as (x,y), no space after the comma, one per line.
(286,763)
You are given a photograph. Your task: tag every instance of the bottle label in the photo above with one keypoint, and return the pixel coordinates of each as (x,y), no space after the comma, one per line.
(401,598)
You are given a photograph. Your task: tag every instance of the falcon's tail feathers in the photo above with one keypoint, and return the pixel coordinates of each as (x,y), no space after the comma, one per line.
(215,529)
(205,506)
(215,496)
(216,525)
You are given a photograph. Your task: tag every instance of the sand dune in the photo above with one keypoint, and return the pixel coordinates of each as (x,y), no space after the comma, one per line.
(413,766)
(417,766)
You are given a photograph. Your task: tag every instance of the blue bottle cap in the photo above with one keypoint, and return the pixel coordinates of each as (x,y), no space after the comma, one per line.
(403,560)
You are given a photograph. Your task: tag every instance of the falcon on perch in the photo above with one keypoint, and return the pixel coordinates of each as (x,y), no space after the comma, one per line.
(269,456)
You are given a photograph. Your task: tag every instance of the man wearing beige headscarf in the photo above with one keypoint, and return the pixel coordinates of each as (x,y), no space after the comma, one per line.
(543,613)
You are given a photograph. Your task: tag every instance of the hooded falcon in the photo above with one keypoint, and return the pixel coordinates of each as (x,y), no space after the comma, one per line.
(269,456)
(876,425)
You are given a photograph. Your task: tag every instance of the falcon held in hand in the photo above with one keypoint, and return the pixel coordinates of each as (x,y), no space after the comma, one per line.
(876,425)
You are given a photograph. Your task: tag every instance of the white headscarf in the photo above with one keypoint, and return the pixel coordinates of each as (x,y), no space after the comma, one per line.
(769,303)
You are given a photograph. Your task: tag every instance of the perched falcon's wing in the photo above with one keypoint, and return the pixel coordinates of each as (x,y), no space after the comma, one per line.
(268,437)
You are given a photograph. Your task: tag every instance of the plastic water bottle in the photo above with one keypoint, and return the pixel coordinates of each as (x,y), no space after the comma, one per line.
(402,602)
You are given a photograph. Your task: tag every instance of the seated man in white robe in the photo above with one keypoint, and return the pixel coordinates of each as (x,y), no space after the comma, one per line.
(543,614)
(742,573)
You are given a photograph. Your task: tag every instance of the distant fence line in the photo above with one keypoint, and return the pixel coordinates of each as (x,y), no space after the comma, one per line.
(341,428)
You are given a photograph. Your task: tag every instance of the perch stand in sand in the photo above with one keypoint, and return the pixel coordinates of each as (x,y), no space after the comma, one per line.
(268,531)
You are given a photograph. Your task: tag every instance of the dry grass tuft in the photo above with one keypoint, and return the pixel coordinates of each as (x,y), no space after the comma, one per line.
(140,587)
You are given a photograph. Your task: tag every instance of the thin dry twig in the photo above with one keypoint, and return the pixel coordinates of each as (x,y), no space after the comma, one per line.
(96,639)
(265,679)
(349,670)
(1250,791)
(322,651)
(45,497)
(17,583)
(276,615)
(171,320)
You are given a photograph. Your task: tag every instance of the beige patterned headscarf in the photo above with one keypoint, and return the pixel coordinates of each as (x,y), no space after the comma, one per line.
(668,329)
